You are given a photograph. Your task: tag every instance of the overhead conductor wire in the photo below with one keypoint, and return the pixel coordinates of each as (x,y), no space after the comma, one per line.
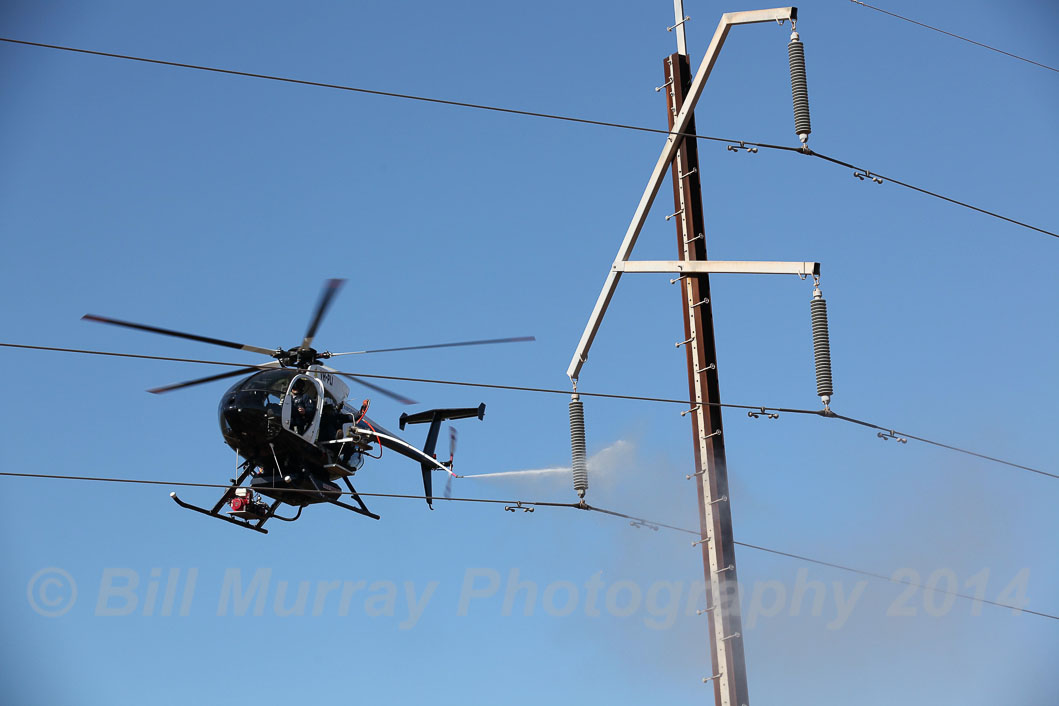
(511,111)
(826,414)
(539,503)
(840,567)
(955,36)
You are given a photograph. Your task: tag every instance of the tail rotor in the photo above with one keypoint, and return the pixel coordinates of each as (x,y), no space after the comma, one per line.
(452,456)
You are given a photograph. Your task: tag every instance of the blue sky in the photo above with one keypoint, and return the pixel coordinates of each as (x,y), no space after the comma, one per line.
(218,205)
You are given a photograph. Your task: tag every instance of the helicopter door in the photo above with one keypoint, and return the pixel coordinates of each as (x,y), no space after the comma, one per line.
(302,407)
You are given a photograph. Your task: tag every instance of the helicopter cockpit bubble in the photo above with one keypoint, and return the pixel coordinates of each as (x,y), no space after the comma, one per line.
(302,406)
(247,405)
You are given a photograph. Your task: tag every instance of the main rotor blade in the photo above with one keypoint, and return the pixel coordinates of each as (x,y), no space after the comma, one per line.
(516,339)
(179,334)
(389,393)
(200,381)
(331,288)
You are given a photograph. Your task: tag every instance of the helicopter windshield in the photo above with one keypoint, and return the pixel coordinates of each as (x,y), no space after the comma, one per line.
(260,389)
(275,381)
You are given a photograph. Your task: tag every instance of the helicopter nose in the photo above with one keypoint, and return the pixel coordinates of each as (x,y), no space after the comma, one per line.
(234,422)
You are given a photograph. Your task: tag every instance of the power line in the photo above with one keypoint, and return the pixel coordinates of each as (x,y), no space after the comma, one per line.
(129,355)
(964,204)
(188,484)
(751,409)
(429,381)
(884,577)
(539,503)
(513,111)
(943,446)
(955,36)
(357,89)
(819,562)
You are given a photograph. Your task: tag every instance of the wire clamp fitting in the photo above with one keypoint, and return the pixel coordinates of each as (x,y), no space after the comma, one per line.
(770,415)
(694,409)
(863,174)
(742,146)
(643,523)
(517,506)
(686,18)
(891,435)
(671,215)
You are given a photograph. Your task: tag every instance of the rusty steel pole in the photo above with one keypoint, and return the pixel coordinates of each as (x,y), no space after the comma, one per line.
(711,471)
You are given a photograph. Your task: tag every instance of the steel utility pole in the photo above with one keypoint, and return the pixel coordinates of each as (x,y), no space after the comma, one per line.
(693,270)
(711,480)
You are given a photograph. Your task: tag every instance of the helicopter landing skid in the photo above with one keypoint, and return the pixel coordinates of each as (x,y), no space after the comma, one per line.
(239,523)
(362,510)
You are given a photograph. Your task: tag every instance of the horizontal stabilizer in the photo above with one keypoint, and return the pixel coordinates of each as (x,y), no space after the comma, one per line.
(442,414)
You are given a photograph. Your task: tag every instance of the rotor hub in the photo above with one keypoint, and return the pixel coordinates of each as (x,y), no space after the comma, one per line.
(297,357)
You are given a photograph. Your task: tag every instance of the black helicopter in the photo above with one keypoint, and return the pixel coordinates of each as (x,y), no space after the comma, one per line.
(291,423)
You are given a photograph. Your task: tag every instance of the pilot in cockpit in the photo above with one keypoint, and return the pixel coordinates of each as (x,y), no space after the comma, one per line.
(303,406)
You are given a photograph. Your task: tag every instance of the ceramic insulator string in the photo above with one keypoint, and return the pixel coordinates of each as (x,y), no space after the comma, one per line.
(577,446)
(799,90)
(821,347)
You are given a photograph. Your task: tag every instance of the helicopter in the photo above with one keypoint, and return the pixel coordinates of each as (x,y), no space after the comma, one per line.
(289,419)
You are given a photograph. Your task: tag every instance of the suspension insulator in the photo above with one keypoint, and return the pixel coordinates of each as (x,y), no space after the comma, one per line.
(799,90)
(577,445)
(821,347)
